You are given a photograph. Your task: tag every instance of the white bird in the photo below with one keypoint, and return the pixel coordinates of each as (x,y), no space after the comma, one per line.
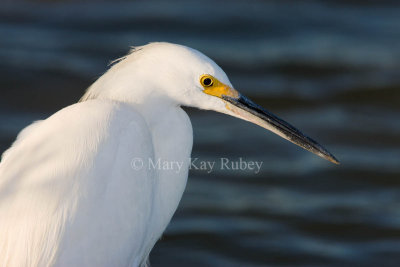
(69,195)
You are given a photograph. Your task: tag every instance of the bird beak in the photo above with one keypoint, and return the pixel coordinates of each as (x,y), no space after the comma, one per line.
(246,109)
(242,107)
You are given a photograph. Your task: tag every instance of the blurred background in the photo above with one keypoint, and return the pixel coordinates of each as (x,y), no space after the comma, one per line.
(332,68)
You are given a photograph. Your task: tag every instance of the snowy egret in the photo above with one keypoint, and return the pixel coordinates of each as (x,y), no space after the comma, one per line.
(69,194)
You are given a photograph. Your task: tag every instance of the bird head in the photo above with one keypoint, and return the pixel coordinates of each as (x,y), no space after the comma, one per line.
(177,75)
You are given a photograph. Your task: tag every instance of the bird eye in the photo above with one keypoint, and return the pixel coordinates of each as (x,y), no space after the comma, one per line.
(207,81)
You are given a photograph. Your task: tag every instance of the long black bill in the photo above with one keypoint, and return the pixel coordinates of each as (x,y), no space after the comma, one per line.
(248,110)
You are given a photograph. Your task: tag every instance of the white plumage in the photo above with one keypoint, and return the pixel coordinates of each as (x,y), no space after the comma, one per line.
(68,193)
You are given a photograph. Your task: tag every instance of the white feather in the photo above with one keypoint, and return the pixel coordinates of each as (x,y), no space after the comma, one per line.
(68,193)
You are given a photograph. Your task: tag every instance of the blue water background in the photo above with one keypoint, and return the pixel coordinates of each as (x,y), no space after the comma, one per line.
(332,68)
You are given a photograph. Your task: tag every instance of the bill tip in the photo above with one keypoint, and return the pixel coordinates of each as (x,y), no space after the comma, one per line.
(333,160)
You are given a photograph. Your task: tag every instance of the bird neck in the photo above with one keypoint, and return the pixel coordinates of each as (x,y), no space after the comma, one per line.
(172,138)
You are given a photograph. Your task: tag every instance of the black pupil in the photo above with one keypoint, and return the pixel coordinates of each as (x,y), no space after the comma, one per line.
(207,81)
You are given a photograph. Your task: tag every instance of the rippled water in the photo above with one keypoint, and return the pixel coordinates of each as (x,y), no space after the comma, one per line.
(332,68)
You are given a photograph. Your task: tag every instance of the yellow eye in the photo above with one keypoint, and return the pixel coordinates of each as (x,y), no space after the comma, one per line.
(206,81)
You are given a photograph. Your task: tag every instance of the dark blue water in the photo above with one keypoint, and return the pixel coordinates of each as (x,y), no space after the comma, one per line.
(332,68)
